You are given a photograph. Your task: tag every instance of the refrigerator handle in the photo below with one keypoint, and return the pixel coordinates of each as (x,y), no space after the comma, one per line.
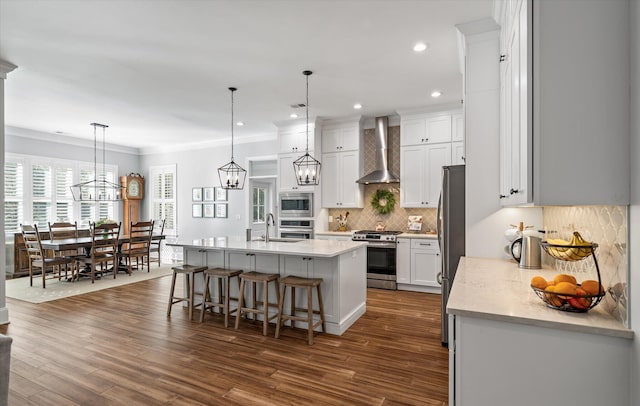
(438,222)
(439,278)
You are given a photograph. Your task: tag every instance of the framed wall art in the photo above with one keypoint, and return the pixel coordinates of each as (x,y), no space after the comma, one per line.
(208,210)
(196,194)
(208,194)
(196,210)
(221,210)
(221,194)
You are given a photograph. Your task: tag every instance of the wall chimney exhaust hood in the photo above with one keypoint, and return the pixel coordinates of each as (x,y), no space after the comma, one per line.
(382,174)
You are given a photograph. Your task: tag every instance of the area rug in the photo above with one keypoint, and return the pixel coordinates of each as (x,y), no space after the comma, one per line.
(19,288)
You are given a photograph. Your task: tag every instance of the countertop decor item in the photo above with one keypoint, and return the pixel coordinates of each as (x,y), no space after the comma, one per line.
(232,175)
(383,201)
(307,168)
(342,222)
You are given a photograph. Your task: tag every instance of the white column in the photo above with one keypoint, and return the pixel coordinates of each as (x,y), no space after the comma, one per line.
(5,67)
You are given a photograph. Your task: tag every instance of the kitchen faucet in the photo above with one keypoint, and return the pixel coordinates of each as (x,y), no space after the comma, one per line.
(266,223)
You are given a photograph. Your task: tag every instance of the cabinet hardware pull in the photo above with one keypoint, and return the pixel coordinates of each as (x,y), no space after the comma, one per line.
(502,196)
(513,191)
(503,58)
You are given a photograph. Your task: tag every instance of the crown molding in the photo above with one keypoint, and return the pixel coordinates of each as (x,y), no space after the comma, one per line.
(206,144)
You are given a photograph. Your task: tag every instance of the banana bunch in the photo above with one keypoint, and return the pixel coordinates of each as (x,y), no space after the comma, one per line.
(578,248)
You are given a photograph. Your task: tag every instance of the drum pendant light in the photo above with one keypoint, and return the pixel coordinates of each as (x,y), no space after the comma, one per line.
(307,168)
(99,189)
(232,175)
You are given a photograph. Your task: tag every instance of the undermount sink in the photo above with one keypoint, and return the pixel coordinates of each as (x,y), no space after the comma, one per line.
(282,239)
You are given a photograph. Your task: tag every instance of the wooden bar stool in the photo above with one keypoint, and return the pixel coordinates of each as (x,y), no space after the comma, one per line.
(254,278)
(222,277)
(294,282)
(189,271)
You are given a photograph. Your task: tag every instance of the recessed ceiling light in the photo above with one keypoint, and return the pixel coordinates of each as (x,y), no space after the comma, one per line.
(240,123)
(293,115)
(357,106)
(436,93)
(420,46)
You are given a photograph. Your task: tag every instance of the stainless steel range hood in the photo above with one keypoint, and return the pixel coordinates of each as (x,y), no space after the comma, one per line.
(382,174)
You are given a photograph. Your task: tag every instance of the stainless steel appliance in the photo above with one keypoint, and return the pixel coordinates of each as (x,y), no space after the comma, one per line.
(381,257)
(451,230)
(296,205)
(296,228)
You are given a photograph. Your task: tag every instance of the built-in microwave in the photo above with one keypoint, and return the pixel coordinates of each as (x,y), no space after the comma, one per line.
(296,205)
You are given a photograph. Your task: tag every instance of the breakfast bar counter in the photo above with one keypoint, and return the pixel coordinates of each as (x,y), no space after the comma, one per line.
(340,264)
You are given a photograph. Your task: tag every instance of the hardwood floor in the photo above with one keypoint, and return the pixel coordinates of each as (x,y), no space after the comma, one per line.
(117,347)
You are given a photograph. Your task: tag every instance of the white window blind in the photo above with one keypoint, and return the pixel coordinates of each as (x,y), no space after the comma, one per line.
(13,192)
(163,196)
(37,190)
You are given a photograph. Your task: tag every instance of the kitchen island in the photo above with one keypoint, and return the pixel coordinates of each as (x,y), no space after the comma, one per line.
(341,265)
(507,347)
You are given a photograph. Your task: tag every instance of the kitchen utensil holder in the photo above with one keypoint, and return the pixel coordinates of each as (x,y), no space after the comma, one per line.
(571,253)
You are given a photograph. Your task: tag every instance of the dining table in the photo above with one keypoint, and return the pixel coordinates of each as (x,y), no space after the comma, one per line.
(65,244)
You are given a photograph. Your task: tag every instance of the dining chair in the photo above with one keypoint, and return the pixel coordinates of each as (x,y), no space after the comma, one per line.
(139,245)
(38,258)
(62,231)
(156,245)
(104,248)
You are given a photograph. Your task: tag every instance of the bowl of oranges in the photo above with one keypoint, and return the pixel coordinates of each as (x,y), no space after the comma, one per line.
(564,293)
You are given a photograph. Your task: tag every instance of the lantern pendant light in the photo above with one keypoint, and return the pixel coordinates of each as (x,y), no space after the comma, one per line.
(307,168)
(232,175)
(99,189)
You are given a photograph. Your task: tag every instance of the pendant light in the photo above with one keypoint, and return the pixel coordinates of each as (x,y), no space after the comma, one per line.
(99,189)
(307,168)
(232,175)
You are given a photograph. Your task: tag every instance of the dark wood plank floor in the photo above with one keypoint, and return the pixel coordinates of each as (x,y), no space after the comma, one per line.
(117,347)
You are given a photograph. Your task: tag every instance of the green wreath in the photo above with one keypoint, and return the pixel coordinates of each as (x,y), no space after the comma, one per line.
(383,201)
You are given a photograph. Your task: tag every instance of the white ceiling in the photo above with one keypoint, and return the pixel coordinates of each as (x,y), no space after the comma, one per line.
(157,72)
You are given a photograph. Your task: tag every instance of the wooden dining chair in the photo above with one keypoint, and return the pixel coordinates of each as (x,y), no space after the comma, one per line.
(104,249)
(62,231)
(138,246)
(38,258)
(156,245)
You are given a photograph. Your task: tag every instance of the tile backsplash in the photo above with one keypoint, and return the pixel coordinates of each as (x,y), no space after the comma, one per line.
(366,218)
(606,226)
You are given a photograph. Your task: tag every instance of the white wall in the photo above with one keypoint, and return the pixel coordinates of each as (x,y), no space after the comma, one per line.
(199,168)
(634,212)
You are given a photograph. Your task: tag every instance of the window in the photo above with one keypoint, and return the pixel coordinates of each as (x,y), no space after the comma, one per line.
(163,196)
(13,187)
(258,204)
(37,192)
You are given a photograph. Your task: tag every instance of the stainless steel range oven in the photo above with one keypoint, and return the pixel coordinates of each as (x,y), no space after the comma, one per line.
(381,257)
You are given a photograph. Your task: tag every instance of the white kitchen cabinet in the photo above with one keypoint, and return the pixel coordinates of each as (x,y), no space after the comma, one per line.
(457,127)
(339,187)
(418,262)
(416,130)
(403,261)
(494,362)
(286,175)
(421,173)
(557,121)
(295,139)
(457,153)
(313,267)
(341,138)
(425,262)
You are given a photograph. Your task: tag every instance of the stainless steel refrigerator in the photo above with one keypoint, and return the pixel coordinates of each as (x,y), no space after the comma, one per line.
(451,228)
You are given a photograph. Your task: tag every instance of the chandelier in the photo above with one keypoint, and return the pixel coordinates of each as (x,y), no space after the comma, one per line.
(307,168)
(232,175)
(99,189)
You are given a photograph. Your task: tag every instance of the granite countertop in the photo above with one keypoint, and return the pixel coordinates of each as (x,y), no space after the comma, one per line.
(314,248)
(497,289)
(341,233)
